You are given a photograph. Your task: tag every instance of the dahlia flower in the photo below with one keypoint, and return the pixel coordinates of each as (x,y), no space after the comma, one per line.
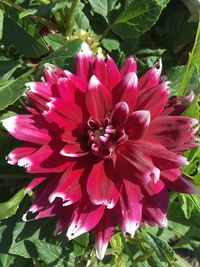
(105,146)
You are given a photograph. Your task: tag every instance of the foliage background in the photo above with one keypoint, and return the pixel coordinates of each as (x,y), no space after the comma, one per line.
(34,32)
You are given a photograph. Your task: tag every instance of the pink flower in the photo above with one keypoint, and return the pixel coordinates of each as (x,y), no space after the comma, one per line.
(106,147)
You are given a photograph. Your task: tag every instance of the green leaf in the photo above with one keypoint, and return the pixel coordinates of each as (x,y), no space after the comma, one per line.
(56,41)
(47,252)
(175,76)
(99,6)
(193,62)
(6,260)
(10,207)
(110,44)
(80,244)
(24,36)
(11,90)
(27,12)
(60,56)
(137,17)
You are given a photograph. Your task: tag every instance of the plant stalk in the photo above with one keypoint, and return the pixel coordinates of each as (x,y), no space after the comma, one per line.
(70,17)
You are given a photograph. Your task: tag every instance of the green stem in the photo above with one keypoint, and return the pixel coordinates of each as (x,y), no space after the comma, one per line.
(34,17)
(105,32)
(127,249)
(70,17)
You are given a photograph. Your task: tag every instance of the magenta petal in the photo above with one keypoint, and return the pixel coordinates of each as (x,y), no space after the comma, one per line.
(68,188)
(35,182)
(84,60)
(130,65)
(103,232)
(100,186)
(98,99)
(100,70)
(162,158)
(155,203)
(131,208)
(151,78)
(137,124)
(126,91)
(52,73)
(119,114)
(153,100)
(16,154)
(30,128)
(135,165)
(113,73)
(178,182)
(64,217)
(44,160)
(173,132)
(86,216)
(58,106)
(40,88)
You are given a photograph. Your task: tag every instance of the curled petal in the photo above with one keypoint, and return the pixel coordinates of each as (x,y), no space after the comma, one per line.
(137,124)
(119,114)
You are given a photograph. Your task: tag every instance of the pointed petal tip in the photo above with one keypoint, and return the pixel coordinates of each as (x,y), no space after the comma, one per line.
(74,231)
(101,249)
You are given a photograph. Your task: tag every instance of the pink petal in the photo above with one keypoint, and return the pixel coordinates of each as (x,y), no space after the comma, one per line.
(72,132)
(68,188)
(30,128)
(103,232)
(119,114)
(98,99)
(40,88)
(131,207)
(155,203)
(86,217)
(178,182)
(130,65)
(38,102)
(44,160)
(177,105)
(35,182)
(173,132)
(64,217)
(126,91)
(52,73)
(78,83)
(114,76)
(84,60)
(58,106)
(153,100)
(137,124)
(73,151)
(16,154)
(162,158)
(134,165)
(100,185)
(151,78)
(100,70)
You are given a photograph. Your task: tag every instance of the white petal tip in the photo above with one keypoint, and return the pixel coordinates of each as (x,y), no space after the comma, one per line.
(101,249)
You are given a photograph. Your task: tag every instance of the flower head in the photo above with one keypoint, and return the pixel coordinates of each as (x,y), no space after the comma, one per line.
(105,145)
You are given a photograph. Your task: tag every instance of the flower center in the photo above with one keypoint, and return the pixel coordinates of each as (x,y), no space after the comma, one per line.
(103,137)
